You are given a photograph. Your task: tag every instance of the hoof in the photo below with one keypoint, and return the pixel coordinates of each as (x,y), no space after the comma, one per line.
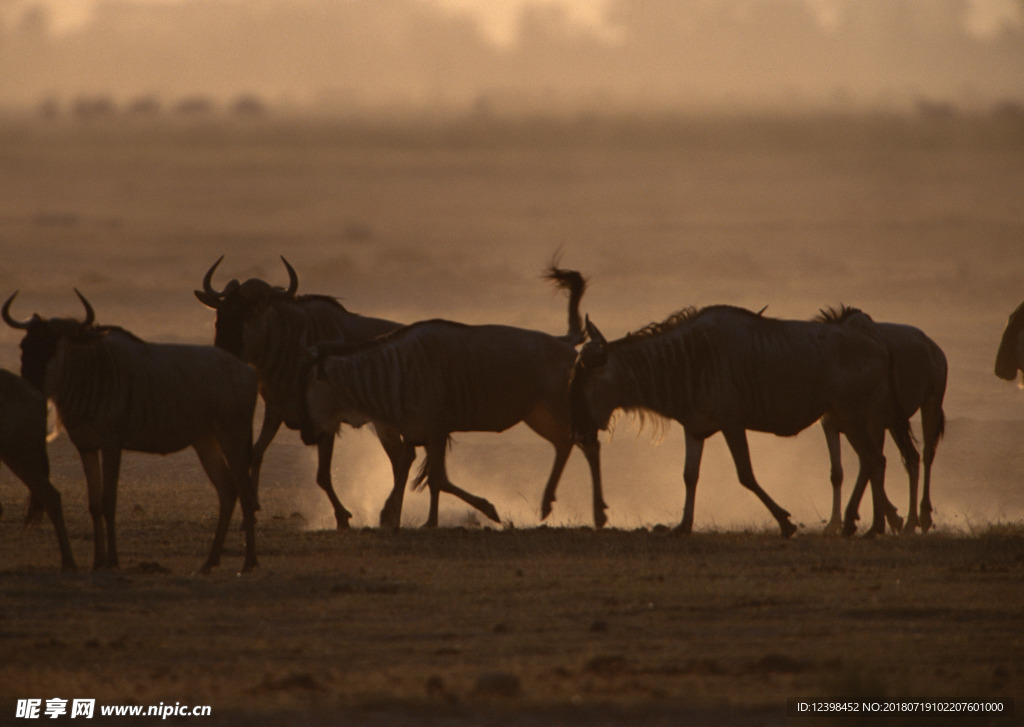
(896,523)
(788,529)
(390,515)
(343,517)
(833,529)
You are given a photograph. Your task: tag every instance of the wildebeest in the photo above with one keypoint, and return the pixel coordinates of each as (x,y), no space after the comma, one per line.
(1010,357)
(115,392)
(436,377)
(23,449)
(270,328)
(919,370)
(728,369)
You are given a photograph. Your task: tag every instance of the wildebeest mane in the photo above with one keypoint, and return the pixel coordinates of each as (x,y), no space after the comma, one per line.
(94,332)
(325,349)
(680,318)
(658,328)
(831,314)
(317,297)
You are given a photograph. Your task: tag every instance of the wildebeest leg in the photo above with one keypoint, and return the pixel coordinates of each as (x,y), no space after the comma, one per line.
(402,455)
(932,424)
(737,441)
(835,457)
(912,464)
(437,481)
(94,483)
(553,426)
(34,513)
(592,452)
(268,430)
(111,472)
(872,468)
(45,496)
(562,452)
(212,459)
(691,473)
(234,446)
(325,451)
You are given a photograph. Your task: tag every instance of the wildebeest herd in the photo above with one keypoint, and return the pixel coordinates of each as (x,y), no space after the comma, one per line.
(317,366)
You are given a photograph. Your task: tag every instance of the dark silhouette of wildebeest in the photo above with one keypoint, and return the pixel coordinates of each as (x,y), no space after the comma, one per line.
(270,328)
(23,449)
(728,369)
(1010,357)
(919,377)
(436,377)
(114,392)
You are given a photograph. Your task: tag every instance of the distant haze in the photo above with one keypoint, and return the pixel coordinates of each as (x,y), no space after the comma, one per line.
(353,56)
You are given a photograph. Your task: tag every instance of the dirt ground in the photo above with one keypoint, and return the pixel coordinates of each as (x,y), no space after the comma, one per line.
(516,626)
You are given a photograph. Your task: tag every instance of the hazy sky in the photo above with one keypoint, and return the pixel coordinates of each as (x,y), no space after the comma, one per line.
(638,52)
(499,18)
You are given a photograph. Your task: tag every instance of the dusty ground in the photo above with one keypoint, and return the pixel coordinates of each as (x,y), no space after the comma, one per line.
(536,626)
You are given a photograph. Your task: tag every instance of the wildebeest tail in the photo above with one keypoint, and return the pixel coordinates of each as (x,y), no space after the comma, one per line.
(421,477)
(574,282)
(899,424)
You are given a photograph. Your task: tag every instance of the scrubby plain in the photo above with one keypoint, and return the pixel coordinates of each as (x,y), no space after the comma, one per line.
(539,625)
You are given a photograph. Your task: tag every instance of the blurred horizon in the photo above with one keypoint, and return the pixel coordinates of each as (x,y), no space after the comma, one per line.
(356,57)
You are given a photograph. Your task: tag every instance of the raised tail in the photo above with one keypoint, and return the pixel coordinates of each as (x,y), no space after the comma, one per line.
(576,284)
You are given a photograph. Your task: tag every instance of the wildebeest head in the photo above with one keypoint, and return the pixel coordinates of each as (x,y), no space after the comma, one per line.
(42,336)
(313,386)
(320,413)
(1011,348)
(586,414)
(240,303)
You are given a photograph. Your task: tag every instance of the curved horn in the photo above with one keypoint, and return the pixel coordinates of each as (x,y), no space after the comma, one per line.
(208,279)
(22,325)
(90,314)
(293,279)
